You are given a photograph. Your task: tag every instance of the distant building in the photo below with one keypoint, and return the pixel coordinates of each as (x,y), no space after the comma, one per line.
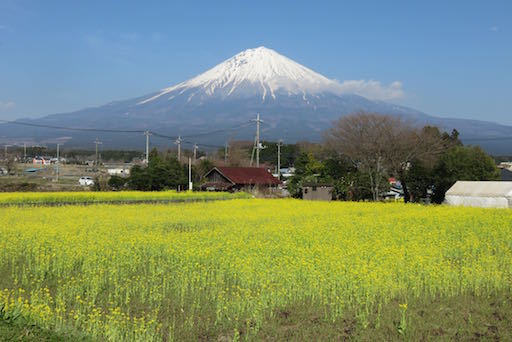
(38,160)
(238,178)
(485,194)
(396,190)
(505,165)
(286,172)
(61,160)
(118,171)
(317,191)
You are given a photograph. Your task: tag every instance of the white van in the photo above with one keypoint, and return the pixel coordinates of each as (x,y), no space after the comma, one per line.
(86,181)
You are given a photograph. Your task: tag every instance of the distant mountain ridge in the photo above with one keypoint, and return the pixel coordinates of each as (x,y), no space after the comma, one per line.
(296,103)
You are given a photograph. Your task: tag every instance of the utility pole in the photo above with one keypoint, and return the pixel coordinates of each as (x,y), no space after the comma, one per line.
(226,152)
(279,144)
(97,142)
(195,152)
(257,144)
(178,142)
(24,152)
(58,162)
(189,174)
(5,151)
(147,134)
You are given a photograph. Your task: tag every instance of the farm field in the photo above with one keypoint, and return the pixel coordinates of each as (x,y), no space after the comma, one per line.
(254,269)
(87,197)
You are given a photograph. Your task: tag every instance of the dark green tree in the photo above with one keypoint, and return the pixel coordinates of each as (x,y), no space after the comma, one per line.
(289,152)
(420,178)
(160,174)
(307,170)
(139,178)
(469,163)
(202,168)
(117,183)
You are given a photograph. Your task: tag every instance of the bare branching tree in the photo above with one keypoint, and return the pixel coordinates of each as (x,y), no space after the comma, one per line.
(238,153)
(10,164)
(363,137)
(408,144)
(382,145)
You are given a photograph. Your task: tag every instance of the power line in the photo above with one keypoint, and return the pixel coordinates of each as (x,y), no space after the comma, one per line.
(188,142)
(487,139)
(156,134)
(241,125)
(159,135)
(71,128)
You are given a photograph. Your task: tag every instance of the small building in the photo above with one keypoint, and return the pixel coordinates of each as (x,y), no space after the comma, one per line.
(396,190)
(485,194)
(285,172)
(39,160)
(317,191)
(224,178)
(505,165)
(118,171)
(60,160)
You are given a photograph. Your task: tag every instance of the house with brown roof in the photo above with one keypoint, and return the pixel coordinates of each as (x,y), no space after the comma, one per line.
(224,178)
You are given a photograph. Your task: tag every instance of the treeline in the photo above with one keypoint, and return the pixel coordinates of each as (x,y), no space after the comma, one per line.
(362,151)
(78,155)
(106,155)
(163,172)
(358,156)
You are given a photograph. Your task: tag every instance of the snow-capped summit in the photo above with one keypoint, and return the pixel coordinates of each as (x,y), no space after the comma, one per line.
(295,103)
(259,71)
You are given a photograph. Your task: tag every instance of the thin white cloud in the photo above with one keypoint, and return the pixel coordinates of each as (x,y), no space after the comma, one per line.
(113,47)
(494,28)
(373,89)
(7,105)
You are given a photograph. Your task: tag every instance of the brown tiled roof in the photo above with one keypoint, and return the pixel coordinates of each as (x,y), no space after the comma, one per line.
(248,175)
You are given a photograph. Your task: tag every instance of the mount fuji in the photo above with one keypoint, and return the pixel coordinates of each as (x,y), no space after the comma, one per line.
(295,103)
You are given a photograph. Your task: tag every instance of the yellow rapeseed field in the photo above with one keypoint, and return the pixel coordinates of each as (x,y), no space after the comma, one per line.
(173,272)
(87,197)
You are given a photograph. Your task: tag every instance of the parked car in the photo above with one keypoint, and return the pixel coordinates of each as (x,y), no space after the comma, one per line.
(86,181)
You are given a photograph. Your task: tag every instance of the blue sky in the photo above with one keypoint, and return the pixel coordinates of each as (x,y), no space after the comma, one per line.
(452,58)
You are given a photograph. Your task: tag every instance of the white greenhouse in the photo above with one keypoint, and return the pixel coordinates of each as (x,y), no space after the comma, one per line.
(485,194)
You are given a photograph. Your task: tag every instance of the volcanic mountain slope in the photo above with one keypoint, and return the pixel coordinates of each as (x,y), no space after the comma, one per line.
(295,102)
